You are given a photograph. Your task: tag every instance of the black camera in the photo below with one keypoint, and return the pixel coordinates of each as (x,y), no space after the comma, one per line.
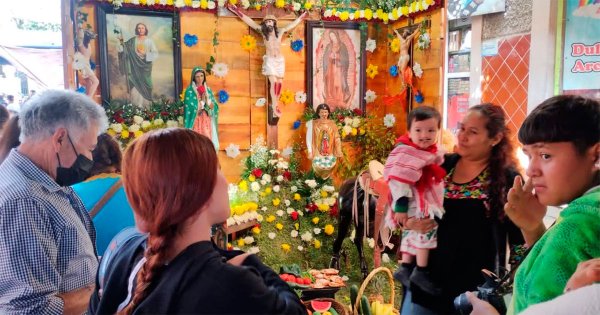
(491,291)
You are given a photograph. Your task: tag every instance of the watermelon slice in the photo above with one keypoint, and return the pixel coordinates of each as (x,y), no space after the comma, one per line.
(320,306)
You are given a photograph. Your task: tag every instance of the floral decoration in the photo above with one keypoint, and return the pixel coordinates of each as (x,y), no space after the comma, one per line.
(296,124)
(232,150)
(248,42)
(223,96)
(417,70)
(370,96)
(389,120)
(297,45)
(286,97)
(372,71)
(300,97)
(190,40)
(395,45)
(424,41)
(419,97)
(370,45)
(260,102)
(220,69)
(394,71)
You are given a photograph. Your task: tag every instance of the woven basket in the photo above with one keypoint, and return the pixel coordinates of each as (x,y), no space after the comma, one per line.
(337,306)
(363,286)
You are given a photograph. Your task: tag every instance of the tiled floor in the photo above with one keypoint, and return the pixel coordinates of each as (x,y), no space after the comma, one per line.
(506,78)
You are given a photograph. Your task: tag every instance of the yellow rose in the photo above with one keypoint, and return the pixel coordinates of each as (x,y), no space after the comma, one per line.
(279,226)
(368,14)
(395,14)
(328,229)
(276,202)
(296,226)
(270,218)
(297,196)
(308,5)
(187,2)
(241,242)
(138,133)
(323,207)
(243,185)
(257,7)
(315,220)
(279,3)
(344,16)
(354,131)
(203,4)
(124,134)
(234,2)
(251,178)
(268,190)
(379,13)
(317,244)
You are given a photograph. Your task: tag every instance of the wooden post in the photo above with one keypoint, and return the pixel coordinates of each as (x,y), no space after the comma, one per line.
(68,49)
(272,120)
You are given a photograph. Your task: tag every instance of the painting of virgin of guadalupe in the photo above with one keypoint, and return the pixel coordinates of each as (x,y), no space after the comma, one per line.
(336,66)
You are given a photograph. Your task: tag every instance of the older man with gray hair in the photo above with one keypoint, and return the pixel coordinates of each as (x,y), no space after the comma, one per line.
(48,260)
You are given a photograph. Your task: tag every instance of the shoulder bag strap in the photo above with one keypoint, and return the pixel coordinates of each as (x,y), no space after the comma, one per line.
(100,204)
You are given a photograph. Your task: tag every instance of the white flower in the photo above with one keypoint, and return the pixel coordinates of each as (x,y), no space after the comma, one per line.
(162,2)
(371,45)
(287,203)
(371,242)
(260,102)
(289,210)
(253,250)
(345,278)
(230,221)
(220,69)
(280,178)
(294,189)
(389,120)
(272,162)
(272,235)
(355,122)
(296,6)
(137,119)
(232,150)
(259,217)
(264,209)
(248,240)
(424,41)
(116,127)
(266,178)
(417,70)
(172,123)
(282,165)
(294,233)
(276,188)
(370,96)
(330,201)
(311,183)
(145,124)
(117,3)
(385,258)
(361,13)
(348,121)
(255,186)
(287,152)
(134,128)
(136,2)
(300,213)
(328,188)
(300,247)
(280,213)
(263,182)
(347,129)
(425,5)
(306,236)
(245,4)
(179,3)
(211,5)
(274,152)
(327,13)
(317,231)
(195,4)
(158,122)
(300,97)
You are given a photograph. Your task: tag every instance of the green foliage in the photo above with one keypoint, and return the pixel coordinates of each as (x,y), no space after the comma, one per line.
(29,25)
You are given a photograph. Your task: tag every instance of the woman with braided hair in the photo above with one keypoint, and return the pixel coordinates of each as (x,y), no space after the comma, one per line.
(177,191)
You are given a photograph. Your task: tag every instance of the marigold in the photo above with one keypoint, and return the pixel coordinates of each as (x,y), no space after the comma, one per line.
(328,229)
(354,131)
(138,133)
(323,207)
(248,42)
(372,71)
(268,190)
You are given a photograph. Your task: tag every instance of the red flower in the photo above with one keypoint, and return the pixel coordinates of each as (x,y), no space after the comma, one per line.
(358,111)
(334,210)
(119,119)
(257,172)
(201,89)
(164,114)
(340,117)
(287,175)
(311,207)
(294,215)
(257,225)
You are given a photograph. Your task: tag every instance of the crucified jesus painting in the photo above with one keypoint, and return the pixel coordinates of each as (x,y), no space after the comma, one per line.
(273,61)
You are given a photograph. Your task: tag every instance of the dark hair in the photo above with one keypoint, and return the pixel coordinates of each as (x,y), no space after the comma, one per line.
(423,113)
(194,76)
(145,26)
(10,136)
(107,154)
(4,115)
(169,175)
(320,107)
(10,98)
(502,156)
(88,36)
(264,28)
(563,118)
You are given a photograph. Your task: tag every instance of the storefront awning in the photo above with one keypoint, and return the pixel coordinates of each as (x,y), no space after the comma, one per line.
(42,65)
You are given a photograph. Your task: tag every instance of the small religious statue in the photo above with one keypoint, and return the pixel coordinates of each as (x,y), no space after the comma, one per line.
(273,62)
(405,40)
(323,142)
(81,61)
(201,108)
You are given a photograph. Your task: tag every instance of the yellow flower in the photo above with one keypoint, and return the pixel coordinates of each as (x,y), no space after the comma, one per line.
(368,14)
(317,244)
(143,2)
(256,230)
(279,226)
(357,14)
(395,14)
(243,185)
(384,17)
(380,13)
(361,131)
(323,207)
(285,247)
(241,242)
(251,178)
(268,190)
(138,133)
(297,196)
(344,134)
(308,5)
(252,206)
(257,7)
(323,194)
(234,2)
(279,3)
(328,229)
(315,220)
(429,2)
(404,10)
(169,2)
(187,2)
(395,45)
(354,131)
(286,97)
(296,226)
(203,4)
(111,132)
(270,218)
(248,42)
(344,15)
(259,218)
(125,134)
(276,202)
(372,71)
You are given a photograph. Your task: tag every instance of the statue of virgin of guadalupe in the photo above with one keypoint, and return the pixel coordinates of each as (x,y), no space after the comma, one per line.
(323,142)
(201,107)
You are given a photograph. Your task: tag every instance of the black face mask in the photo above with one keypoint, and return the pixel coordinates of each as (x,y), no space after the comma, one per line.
(78,172)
